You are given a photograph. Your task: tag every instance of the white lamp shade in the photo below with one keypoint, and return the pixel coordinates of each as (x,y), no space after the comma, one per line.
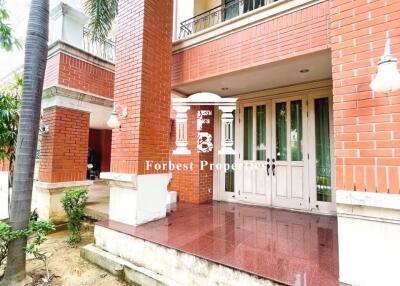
(387,79)
(113,121)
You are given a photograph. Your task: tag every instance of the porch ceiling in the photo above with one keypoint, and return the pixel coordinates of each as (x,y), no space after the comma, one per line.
(276,74)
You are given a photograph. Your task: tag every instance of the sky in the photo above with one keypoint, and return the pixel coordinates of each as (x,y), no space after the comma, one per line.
(19,11)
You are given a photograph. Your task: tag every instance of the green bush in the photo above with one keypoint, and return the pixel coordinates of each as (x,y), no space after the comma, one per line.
(6,236)
(36,232)
(74,203)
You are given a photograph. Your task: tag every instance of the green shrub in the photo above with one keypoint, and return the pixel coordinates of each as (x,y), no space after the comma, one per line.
(6,236)
(36,232)
(74,202)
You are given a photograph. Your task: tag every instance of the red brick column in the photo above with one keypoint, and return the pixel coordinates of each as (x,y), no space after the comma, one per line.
(193,186)
(65,146)
(143,84)
(367,124)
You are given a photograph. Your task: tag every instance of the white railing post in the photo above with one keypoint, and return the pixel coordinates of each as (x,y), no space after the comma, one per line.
(227,139)
(181,130)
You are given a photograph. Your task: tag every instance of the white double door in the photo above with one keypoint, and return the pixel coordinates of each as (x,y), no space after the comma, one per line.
(273,154)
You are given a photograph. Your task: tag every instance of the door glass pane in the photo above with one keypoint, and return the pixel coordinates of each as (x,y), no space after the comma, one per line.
(261,136)
(281,132)
(323,150)
(296,130)
(248,133)
(230,159)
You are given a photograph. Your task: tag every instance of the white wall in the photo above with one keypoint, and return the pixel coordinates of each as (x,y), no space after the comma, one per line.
(77,4)
(369,238)
(183,10)
(3,195)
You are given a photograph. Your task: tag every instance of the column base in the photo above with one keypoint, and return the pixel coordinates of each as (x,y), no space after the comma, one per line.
(369,235)
(137,199)
(46,199)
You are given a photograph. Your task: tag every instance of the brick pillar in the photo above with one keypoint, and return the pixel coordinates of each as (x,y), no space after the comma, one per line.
(63,161)
(367,141)
(143,86)
(65,146)
(194,186)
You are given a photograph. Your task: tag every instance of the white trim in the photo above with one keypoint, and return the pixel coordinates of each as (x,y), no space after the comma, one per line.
(65,102)
(74,92)
(322,206)
(369,199)
(63,9)
(62,185)
(247,20)
(62,47)
(204,98)
(66,98)
(122,177)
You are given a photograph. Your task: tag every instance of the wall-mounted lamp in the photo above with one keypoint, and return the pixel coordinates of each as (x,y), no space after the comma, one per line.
(113,121)
(388,78)
(43,128)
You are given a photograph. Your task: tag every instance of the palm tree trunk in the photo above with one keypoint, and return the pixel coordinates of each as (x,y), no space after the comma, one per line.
(34,68)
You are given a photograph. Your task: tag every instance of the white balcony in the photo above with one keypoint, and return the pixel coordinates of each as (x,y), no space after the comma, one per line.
(68,24)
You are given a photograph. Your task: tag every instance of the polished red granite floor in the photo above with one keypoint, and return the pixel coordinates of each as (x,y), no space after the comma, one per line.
(288,247)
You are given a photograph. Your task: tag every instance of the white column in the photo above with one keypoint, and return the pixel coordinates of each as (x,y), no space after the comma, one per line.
(67,24)
(184,10)
(227,130)
(181,130)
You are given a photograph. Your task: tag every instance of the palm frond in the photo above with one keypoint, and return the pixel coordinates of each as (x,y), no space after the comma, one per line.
(101,16)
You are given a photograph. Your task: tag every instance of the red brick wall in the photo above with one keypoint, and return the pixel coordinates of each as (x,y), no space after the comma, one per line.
(193,186)
(65,146)
(293,34)
(143,84)
(52,71)
(74,73)
(100,142)
(367,124)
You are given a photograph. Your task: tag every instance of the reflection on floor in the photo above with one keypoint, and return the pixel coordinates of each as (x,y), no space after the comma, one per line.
(288,247)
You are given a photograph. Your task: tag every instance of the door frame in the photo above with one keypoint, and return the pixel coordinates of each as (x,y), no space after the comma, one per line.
(313,90)
(240,145)
(318,206)
(283,202)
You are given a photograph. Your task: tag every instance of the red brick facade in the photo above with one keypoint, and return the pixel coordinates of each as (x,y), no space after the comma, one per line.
(293,34)
(193,186)
(69,71)
(4,166)
(367,124)
(65,146)
(100,142)
(143,84)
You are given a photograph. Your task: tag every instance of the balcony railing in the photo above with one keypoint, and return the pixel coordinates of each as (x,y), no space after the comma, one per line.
(103,49)
(219,14)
